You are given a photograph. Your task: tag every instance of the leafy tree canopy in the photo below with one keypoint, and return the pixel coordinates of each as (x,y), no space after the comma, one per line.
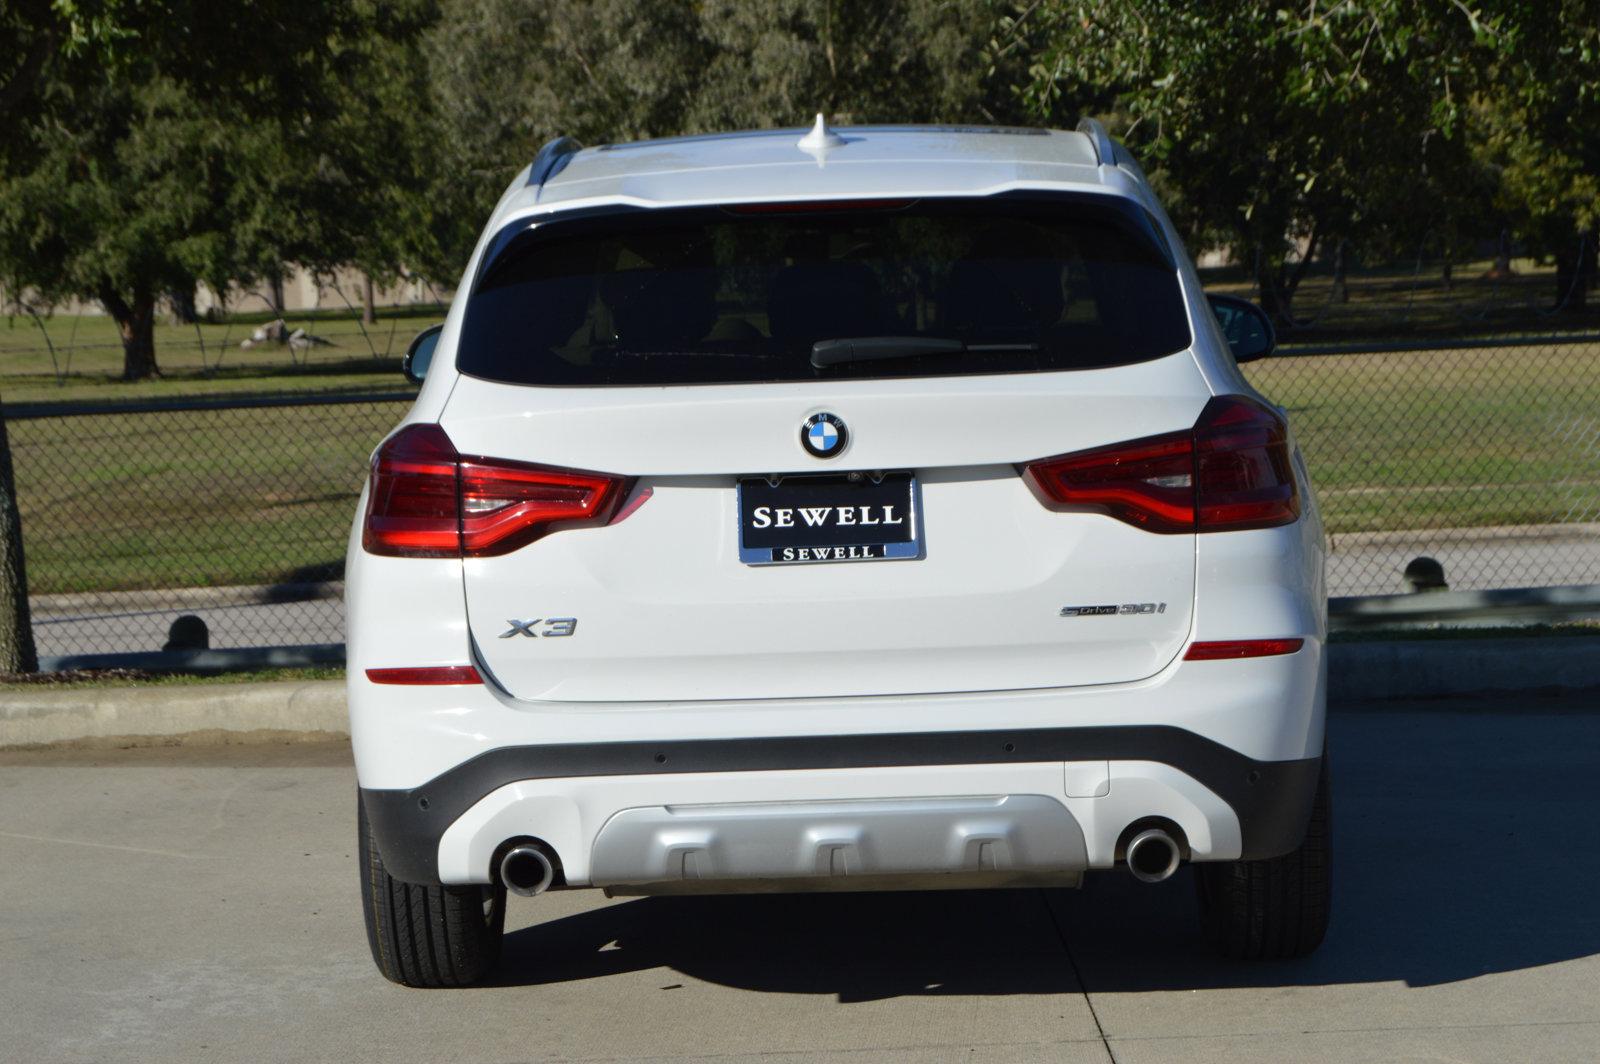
(508,75)
(144,159)
(1536,122)
(1268,125)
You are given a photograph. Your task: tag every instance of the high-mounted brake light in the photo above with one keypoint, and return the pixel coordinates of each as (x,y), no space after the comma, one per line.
(1231,471)
(817,206)
(427,501)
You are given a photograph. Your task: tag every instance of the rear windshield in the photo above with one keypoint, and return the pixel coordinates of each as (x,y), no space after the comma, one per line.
(719,296)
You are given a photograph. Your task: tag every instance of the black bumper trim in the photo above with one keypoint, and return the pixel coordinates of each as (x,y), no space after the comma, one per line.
(1272,799)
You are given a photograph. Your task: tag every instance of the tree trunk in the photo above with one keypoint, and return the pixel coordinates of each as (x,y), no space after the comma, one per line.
(136,323)
(1341,279)
(1290,283)
(1279,309)
(276,291)
(17,653)
(1502,259)
(369,307)
(1449,277)
(1575,274)
(1278,282)
(139,340)
(1587,262)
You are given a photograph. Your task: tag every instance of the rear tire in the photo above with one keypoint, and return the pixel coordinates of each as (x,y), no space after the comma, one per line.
(427,936)
(1276,909)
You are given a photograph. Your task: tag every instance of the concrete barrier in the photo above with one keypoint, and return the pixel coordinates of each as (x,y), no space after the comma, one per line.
(136,715)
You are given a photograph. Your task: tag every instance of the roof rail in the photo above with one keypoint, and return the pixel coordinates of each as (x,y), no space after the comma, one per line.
(551,158)
(1104,150)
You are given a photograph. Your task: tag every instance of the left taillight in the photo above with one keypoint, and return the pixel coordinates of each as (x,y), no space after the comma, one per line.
(1231,471)
(428,501)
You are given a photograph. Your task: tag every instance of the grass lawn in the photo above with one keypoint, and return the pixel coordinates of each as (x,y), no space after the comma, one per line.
(193,498)
(86,361)
(1412,301)
(196,498)
(62,681)
(1440,439)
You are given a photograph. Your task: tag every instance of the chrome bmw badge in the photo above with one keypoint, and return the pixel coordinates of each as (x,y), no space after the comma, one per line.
(824,435)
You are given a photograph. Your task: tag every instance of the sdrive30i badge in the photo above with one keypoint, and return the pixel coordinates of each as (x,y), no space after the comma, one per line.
(1125,610)
(824,435)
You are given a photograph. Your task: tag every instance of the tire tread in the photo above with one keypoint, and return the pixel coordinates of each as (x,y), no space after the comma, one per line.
(1273,909)
(426,936)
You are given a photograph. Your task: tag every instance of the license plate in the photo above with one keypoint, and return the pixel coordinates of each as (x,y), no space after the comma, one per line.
(833,518)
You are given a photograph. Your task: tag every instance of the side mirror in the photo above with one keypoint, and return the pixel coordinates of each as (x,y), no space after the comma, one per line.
(1247,327)
(419,356)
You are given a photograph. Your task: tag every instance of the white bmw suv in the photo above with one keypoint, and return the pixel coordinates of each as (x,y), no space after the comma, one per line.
(856,509)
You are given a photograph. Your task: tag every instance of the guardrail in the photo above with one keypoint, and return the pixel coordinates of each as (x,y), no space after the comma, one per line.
(1511,607)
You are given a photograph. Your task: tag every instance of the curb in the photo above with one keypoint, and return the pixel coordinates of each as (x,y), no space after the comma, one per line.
(68,604)
(257,712)
(132,714)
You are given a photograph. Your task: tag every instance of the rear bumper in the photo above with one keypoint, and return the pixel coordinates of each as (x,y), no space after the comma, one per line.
(1072,793)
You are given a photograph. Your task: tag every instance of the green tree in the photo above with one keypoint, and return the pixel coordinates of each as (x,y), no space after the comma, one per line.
(507,75)
(152,151)
(1538,123)
(1271,129)
(779,62)
(120,206)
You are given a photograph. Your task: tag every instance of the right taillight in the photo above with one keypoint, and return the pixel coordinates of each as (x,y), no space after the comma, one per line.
(428,501)
(1231,471)
(1243,477)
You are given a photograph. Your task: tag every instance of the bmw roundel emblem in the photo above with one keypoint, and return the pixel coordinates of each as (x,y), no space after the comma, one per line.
(824,435)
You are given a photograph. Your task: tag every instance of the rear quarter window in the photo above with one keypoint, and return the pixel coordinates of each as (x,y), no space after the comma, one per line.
(739,295)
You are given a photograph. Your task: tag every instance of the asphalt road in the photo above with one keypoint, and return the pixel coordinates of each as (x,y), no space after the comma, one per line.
(201,905)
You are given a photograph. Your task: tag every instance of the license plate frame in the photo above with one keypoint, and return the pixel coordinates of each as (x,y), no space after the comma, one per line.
(833,541)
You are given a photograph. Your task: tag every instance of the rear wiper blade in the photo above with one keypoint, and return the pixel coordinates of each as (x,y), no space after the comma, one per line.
(826,353)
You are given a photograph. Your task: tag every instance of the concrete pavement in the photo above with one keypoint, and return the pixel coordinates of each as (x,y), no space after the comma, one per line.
(200,904)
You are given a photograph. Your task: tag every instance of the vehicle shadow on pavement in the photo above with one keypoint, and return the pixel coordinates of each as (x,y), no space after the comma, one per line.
(1463,847)
(858,947)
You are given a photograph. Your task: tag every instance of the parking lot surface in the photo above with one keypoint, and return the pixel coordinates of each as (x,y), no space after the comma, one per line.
(200,904)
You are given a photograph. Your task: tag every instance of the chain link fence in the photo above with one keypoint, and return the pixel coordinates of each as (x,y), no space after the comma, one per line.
(1483,456)
(235,510)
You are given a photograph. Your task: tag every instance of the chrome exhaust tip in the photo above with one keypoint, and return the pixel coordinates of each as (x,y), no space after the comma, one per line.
(526,870)
(1152,855)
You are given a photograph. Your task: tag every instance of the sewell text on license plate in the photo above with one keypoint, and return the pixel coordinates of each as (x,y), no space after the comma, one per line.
(832,518)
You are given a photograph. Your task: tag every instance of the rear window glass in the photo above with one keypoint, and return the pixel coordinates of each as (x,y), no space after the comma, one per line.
(941,287)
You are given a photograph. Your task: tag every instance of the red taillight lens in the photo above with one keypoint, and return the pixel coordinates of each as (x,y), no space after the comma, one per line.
(1148,482)
(1243,475)
(1231,471)
(427,501)
(505,505)
(412,509)
(427,676)
(1228,649)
